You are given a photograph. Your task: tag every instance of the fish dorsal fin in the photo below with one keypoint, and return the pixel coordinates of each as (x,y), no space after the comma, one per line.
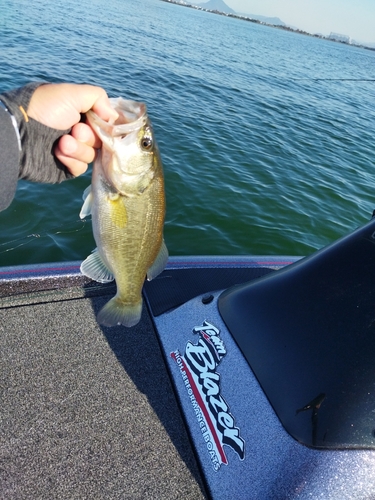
(93,267)
(159,263)
(87,202)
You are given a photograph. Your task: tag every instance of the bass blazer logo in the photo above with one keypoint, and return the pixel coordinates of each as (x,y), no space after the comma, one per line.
(198,367)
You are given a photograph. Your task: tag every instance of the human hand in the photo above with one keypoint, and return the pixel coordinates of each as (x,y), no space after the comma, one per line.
(59,106)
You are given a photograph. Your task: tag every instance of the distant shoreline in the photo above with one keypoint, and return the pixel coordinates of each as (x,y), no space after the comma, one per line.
(256,21)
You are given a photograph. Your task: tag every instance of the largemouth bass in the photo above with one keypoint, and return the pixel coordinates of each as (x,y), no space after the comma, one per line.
(127,203)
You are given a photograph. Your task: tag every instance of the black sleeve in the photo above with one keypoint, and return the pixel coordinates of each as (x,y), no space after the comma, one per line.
(9,159)
(36,159)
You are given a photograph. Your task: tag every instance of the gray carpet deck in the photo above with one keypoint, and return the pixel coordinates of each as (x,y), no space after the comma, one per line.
(87,412)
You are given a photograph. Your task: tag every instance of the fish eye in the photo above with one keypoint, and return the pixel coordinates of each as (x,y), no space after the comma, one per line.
(146,143)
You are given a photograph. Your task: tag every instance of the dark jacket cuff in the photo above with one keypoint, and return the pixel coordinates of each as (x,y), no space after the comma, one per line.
(37,161)
(9,159)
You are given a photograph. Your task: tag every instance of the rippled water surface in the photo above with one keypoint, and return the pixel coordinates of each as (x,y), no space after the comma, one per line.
(267,143)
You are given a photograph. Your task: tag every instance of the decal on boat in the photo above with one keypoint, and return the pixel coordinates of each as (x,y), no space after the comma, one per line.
(198,365)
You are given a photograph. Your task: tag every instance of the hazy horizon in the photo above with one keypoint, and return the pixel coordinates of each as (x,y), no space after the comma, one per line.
(354,19)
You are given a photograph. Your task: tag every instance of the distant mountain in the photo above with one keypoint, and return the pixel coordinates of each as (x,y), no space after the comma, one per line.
(221,6)
(264,19)
(218,5)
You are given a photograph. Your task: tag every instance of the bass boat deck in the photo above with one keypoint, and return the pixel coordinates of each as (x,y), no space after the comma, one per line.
(88,411)
(212,395)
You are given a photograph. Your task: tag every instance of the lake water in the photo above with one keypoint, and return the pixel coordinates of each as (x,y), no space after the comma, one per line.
(267,143)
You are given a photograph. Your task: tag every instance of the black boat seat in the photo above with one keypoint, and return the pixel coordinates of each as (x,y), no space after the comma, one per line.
(308,333)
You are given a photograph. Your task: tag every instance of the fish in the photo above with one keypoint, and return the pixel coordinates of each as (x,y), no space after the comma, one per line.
(126,201)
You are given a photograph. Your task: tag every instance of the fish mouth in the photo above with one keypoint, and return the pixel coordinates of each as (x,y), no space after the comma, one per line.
(132,117)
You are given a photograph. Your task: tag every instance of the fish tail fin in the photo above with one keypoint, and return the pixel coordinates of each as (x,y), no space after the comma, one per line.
(116,312)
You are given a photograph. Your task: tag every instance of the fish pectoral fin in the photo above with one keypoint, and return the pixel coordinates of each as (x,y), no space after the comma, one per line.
(86,192)
(94,268)
(159,263)
(87,203)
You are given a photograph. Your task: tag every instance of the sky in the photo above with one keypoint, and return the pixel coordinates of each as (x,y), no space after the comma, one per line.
(355,18)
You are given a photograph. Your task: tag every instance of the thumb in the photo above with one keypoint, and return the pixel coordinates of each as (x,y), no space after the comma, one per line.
(90,97)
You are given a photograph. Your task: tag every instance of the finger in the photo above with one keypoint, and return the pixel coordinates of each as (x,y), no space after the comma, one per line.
(75,167)
(102,107)
(84,133)
(70,147)
(74,154)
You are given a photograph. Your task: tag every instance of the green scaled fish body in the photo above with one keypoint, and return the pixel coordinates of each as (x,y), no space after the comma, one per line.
(127,203)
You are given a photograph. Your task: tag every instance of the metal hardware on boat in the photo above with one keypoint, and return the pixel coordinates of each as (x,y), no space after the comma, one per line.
(207,298)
